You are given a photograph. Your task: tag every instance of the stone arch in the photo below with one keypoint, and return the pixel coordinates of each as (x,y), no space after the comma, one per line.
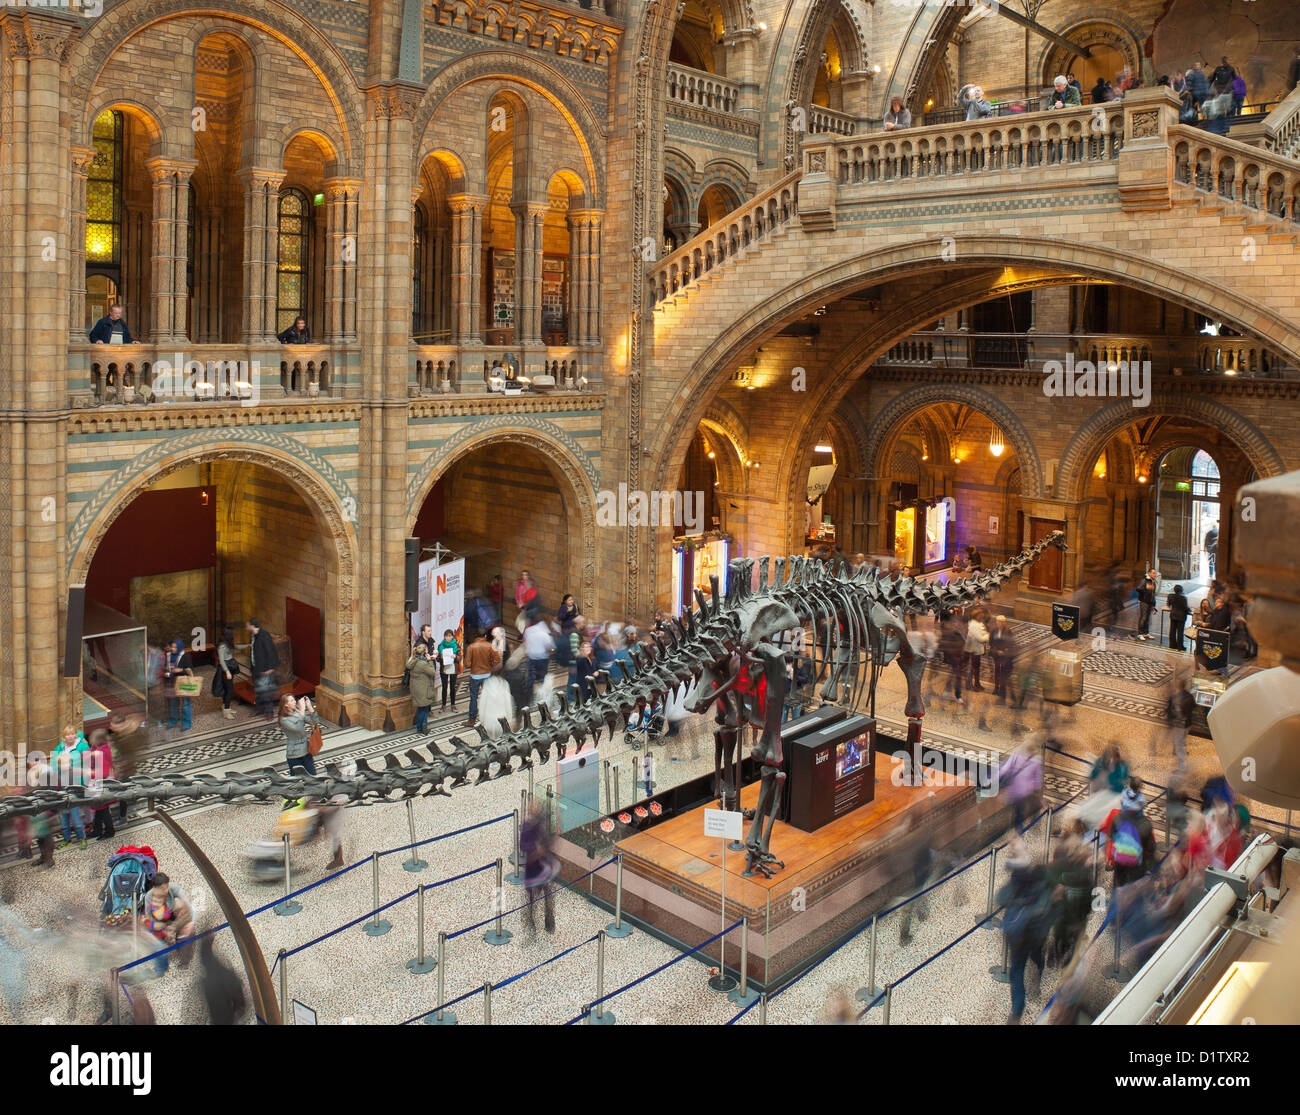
(148,118)
(923,47)
(517,69)
(1091,438)
(92,51)
(852,38)
(324,138)
(325,493)
(1100,27)
(724,172)
(891,418)
(574,468)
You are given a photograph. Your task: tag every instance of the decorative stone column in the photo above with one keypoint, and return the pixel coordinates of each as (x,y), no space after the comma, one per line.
(584,276)
(530,220)
(467,268)
(261,226)
(170,244)
(342,221)
(209,249)
(82,157)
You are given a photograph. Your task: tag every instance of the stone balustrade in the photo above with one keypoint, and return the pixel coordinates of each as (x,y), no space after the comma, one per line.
(482,369)
(829,120)
(1262,182)
(752,223)
(1282,126)
(702,90)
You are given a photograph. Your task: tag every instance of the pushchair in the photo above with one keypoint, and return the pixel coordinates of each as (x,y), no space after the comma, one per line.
(644,725)
(264,859)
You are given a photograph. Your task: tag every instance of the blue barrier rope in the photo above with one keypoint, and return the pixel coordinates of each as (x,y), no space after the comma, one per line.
(741,1014)
(655,972)
(551,960)
(445,835)
(319,882)
(443,1006)
(507,913)
(379,910)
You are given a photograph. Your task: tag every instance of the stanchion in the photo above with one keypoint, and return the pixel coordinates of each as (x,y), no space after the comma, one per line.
(287,907)
(599,1016)
(866,994)
(618,790)
(441,1017)
(286,1015)
(1288,825)
(609,796)
(378,926)
(762,1009)
(117,998)
(1047,836)
(1117,970)
(414,863)
(989,921)
(743,996)
(498,935)
(616,928)
(1096,841)
(530,783)
(420,964)
(1001,973)
(487,1004)
(516,877)
(889,1002)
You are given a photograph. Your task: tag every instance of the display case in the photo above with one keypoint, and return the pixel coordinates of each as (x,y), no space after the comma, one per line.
(697,558)
(114,666)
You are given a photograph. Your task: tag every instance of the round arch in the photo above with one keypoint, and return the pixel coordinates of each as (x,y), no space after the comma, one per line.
(1101,27)
(314,479)
(517,69)
(93,51)
(571,466)
(325,142)
(890,420)
(1093,436)
(146,117)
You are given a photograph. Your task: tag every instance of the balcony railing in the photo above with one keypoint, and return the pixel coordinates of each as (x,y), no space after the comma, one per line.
(702,90)
(822,120)
(752,223)
(492,369)
(1045,139)
(1192,355)
(1262,182)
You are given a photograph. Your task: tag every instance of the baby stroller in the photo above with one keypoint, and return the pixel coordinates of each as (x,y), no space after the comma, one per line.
(264,859)
(644,725)
(131,872)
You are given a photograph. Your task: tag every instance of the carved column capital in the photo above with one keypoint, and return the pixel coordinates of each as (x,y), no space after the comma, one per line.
(161,169)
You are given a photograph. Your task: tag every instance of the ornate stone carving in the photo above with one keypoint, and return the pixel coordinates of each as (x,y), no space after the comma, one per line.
(1144,125)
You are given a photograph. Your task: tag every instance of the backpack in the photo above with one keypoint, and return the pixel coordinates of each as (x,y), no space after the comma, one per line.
(1125,848)
(131,873)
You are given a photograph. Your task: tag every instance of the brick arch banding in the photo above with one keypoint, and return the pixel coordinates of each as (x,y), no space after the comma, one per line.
(325,493)
(111,30)
(1092,437)
(517,69)
(575,471)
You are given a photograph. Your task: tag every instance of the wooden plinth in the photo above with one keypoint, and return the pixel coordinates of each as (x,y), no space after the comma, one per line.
(833,881)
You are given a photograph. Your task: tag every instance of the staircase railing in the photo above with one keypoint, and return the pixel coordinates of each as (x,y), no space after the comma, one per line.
(1263,181)
(751,223)
(1282,126)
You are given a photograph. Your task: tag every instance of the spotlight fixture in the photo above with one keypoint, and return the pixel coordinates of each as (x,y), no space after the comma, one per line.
(823,449)
(997,444)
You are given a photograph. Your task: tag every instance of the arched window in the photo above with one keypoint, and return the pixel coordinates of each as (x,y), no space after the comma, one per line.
(104,214)
(291,269)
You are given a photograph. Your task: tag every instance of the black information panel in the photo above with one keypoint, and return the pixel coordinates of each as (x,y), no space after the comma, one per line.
(1065,621)
(832,772)
(794,729)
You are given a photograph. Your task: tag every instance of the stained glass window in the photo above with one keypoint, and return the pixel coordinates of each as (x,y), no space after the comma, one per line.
(104,192)
(292,258)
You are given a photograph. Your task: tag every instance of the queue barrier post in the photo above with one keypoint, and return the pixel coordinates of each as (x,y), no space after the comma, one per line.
(420,964)
(377,926)
(516,857)
(599,1016)
(743,995)
(287,907)
(498,934)
(762,1009)
(1047,837)
(441,1017)
(866,994)
(889,1002)
(989,921)
(282,961)
(415,863)
(487,1004)
(117,998)
(616,928)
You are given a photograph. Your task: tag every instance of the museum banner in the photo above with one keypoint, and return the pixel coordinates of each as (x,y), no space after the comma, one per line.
(442,599)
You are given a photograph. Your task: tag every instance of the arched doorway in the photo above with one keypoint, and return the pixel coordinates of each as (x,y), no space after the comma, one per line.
(193,545)
(1187,511)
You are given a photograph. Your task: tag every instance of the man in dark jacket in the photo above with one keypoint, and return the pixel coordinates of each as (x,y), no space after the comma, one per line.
(297,333)
(1146,595)
(1223,75)
(223,991)
(1003,647)
(1211,545)
(1179,610)
(1179,714)
(111,329)
(265,661)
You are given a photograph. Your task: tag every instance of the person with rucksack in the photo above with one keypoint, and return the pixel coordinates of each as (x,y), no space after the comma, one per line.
(1131,843)
(1026,921)
(1179,610)
(227,669)
(421,669)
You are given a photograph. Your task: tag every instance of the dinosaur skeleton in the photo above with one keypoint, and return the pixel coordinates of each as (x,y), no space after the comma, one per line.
(723,647)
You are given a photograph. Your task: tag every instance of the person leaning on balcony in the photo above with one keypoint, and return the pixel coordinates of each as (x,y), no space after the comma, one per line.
(972,100)
(297,333)
(111,329)
(898,115)
(1065,95)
